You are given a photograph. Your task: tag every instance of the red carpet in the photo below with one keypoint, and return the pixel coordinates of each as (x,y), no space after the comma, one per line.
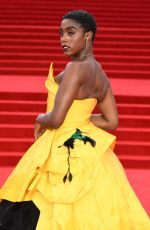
(29,41)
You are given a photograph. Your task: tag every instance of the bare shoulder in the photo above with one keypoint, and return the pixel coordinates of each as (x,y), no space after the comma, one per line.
(75,72)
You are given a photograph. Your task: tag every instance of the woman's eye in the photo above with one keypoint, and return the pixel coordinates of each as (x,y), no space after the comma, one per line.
(70,33)
(62,33)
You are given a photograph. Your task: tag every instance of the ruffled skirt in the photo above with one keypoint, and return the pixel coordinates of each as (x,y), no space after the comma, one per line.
(99,196)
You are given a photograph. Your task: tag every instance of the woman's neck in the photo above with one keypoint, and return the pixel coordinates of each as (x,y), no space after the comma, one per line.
(85,52)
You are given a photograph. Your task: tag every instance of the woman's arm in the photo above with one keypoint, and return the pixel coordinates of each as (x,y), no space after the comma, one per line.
(108,119)
(67,92)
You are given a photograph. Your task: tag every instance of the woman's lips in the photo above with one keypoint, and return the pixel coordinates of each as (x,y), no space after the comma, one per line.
(65,48)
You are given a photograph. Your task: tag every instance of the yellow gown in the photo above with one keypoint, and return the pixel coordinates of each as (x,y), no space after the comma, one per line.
(99,197)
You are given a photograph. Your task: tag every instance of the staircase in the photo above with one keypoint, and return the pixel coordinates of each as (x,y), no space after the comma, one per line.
(29,41)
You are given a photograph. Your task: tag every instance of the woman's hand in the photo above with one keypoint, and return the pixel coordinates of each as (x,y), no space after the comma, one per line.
(38,130)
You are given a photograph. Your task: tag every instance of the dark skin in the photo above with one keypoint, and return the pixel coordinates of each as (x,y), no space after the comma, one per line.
(82,78)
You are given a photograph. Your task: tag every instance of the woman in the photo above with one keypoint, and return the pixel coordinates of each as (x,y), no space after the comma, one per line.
(71,174)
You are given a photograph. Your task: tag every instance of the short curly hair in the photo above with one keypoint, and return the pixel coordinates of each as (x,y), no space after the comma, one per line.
(86,20)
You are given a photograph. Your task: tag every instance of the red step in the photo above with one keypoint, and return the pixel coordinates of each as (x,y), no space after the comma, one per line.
(132,147)
(16,105)
(18,117)
(134,121)
(134,109)
(15,144)
(132,134)
(16,131)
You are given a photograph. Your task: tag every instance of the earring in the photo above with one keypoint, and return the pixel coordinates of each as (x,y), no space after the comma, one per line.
(86,42)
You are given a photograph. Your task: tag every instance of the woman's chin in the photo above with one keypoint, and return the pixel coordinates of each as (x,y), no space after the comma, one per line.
(68,54)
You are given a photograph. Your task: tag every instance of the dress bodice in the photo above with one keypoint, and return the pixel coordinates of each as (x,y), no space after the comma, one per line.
(80,110)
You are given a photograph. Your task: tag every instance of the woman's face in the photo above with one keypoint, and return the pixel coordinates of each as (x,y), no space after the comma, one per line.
(72,37)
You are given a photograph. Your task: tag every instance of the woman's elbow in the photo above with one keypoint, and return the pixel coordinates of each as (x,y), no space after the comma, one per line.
(56,123)
(114,124)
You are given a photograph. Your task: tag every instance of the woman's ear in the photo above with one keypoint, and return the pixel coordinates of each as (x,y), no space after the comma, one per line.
(89,35)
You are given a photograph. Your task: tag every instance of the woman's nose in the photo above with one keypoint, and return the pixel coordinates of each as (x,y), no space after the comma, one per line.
(64,38)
